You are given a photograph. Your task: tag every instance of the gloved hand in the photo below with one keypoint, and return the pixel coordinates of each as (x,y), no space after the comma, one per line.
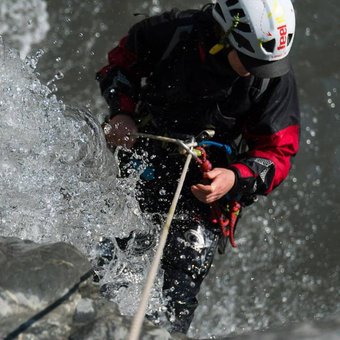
(118,131)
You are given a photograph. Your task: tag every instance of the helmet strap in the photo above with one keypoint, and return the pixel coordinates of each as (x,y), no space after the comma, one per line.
(224,40)
(223,44)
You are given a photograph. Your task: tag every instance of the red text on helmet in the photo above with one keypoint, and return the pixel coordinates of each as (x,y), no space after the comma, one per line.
(283,37)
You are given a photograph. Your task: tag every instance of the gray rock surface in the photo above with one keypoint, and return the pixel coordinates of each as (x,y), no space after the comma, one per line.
(34,276)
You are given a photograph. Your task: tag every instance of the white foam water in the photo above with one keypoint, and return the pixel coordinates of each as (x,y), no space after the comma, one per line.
(24,23)
(58,179)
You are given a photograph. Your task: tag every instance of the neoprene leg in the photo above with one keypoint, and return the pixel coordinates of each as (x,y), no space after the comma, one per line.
(187,258)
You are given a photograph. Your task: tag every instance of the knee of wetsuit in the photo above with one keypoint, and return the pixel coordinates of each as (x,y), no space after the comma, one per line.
(191,249)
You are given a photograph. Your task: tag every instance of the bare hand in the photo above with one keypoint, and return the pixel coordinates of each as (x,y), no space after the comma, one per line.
(118,131)
(222,180)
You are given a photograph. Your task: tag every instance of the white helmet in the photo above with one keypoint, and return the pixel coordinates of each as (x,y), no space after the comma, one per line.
(260,29)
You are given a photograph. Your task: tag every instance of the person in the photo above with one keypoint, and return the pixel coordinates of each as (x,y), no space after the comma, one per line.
(224,67)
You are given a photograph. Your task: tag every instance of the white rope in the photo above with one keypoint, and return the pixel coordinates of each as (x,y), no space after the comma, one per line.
(140,314)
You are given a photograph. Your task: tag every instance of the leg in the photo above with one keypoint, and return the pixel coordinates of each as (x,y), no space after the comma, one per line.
(186,261)
(191,243)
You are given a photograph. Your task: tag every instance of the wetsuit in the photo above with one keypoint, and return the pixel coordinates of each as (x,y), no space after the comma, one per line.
(164,64)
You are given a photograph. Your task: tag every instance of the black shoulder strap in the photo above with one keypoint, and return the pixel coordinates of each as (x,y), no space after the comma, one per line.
(181,33)
(189,19)
(257,87)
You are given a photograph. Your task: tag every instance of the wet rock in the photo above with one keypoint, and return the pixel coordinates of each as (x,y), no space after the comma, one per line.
(43,289)
(33,277)
(85,311)
(42,271)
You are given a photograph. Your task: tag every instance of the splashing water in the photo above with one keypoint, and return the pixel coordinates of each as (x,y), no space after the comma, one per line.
(25,22)
(58,179)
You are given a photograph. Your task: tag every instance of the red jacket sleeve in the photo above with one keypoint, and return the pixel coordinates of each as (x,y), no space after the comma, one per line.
(272,135)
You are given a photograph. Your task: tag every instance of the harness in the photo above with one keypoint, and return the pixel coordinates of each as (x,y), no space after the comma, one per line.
(224,212)
(224,215)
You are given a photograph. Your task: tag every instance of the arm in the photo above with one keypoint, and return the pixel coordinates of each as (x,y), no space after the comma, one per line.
(132,59)
(272,134)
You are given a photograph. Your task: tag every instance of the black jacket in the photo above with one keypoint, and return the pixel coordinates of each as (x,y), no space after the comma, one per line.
(189,89)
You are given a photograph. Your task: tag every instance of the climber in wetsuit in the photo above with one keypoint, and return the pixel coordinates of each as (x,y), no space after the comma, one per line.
(225,68)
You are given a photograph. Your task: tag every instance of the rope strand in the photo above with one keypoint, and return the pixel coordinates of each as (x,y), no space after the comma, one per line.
(140,314)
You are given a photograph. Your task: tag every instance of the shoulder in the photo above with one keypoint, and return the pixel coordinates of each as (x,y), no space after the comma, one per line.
(280,101)
(154,34)
(265,88)
(174,18)
(168,18)
(283,87)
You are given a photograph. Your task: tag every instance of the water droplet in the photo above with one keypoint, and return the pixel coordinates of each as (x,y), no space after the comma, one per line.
(59,75)
(53,88)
